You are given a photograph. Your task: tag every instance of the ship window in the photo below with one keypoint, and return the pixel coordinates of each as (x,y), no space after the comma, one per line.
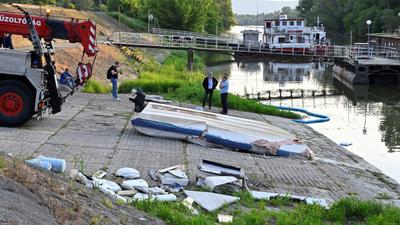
(291,23)
(299,23)
(268,25)
(284,23)
(281,40)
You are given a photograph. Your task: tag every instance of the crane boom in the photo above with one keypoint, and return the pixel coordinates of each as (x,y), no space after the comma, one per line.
(74,31)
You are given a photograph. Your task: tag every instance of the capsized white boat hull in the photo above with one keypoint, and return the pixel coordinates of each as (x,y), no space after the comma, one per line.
(174,122)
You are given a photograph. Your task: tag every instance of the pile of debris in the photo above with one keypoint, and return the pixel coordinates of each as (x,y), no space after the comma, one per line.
(127,186)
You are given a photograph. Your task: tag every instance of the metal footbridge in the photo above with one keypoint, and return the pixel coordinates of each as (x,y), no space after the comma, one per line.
(191,41)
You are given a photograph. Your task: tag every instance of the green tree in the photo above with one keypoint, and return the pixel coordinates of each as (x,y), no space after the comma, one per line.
(83,4)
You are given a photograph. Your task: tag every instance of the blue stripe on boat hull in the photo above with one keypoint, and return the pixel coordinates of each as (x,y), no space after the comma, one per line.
(165,127)
(228,143)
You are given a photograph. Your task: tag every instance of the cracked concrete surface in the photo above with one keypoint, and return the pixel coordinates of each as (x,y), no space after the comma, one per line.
(96,130)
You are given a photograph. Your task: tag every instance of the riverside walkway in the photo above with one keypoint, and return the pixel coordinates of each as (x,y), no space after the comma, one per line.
(94,132)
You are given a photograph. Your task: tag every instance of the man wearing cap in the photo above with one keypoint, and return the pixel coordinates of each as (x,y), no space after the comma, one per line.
(209,84)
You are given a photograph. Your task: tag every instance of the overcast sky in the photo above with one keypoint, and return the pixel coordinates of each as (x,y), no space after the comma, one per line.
(266,6)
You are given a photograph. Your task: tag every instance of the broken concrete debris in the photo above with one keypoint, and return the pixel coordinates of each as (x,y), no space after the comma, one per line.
(220,169)
(170,179)
(188,202)
(152,190)
(177,167)
(163,198)
(260,195)
(110,185)
(132,184)
(214,181)
(225,218)
(210,201)
(129,193)
(52,164)
(127,173)
(172,175)
(152,175)
(99,174)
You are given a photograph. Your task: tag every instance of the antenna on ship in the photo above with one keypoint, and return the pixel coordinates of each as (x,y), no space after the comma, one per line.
(257,15)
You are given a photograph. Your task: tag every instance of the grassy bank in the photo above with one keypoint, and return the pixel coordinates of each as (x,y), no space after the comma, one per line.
(133,23)
(278,211)
(173,82)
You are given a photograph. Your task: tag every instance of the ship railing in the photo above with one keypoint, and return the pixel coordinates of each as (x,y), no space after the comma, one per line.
(365,52)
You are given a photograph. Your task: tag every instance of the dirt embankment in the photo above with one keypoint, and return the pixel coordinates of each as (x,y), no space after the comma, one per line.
(34,197)
(68,55)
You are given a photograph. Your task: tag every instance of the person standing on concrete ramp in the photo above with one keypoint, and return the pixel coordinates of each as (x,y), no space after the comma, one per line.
(209,85)
(224,88)
(112,74)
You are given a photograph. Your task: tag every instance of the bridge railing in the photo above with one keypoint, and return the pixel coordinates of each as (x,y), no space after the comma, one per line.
(252,47)
(189,34)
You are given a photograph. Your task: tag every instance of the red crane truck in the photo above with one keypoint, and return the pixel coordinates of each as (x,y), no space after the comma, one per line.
(28,82)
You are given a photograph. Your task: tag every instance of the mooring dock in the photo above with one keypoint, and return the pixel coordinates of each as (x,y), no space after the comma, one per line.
(369,65)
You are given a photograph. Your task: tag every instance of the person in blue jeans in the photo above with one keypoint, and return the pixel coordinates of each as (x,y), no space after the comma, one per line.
(224,88)
(113,74)
(67,79)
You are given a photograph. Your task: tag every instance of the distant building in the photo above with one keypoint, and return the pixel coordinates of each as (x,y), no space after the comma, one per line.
(386,39)
(251,37)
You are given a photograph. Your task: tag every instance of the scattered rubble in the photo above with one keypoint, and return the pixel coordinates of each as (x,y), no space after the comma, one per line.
(260,195)
(220,169)
(225,218)
(128,173)
(210,201)
(132,184)
(162,198)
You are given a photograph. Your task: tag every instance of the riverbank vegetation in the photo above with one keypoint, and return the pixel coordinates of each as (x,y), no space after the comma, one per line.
(253,19)
(278,211)
(342,17)
(174,82)
(200,16)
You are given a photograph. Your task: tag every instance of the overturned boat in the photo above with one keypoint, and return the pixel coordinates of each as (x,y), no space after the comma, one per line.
(174,122)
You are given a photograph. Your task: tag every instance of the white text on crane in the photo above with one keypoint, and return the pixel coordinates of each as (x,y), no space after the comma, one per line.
(9,19)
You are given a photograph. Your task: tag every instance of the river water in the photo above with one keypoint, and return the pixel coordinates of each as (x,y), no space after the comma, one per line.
(366,116)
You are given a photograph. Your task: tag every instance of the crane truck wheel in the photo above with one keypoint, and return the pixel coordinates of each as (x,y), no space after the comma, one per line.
(16,103)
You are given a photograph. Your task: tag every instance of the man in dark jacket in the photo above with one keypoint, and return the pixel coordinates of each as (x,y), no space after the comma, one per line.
(209,84)
(8,41)
(112,74)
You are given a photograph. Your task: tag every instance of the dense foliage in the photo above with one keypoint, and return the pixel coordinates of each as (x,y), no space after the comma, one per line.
(340,17)
(247,19)
(196,15)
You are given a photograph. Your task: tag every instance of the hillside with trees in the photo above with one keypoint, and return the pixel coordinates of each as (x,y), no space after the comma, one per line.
(249,19)
(196,15)
(341,17)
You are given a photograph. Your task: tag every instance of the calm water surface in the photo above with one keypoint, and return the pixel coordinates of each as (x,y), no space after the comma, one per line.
(366,116)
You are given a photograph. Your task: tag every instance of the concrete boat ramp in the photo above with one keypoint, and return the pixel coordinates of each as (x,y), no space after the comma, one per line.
(94,132)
